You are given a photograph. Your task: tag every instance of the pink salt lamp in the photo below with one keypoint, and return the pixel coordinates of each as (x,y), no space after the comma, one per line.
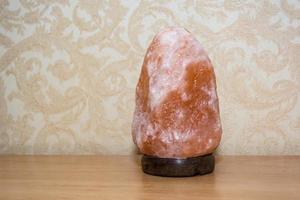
(176,122)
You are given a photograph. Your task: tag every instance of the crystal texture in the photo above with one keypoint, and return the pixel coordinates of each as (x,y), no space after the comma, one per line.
(177,109)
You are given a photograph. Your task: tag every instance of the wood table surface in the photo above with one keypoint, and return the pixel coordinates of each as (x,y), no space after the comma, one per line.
(120,177)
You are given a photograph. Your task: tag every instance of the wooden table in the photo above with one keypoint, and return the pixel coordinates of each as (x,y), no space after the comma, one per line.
(120,177)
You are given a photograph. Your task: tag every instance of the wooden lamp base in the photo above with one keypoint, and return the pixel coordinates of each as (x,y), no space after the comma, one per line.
(174,167)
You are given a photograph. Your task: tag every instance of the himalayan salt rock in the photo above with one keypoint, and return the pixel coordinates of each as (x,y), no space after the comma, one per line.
(177,111)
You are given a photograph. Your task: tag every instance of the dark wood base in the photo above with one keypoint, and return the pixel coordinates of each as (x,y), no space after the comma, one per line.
(174,167)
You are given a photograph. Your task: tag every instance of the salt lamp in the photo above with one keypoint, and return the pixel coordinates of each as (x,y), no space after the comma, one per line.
(176,123)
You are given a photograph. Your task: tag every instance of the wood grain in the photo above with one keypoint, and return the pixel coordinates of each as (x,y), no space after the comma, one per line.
(120,177)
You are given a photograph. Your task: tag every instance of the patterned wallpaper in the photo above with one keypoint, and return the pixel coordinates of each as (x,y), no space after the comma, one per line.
(68,71)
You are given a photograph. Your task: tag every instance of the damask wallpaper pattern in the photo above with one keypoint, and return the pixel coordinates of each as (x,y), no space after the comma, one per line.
(68,71)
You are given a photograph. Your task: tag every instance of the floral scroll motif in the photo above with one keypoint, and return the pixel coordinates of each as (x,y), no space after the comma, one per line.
(68,71)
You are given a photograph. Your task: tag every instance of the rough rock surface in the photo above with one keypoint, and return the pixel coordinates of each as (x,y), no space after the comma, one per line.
(177,109)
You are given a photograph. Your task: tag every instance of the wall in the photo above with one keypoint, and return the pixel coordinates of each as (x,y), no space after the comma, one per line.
(69,68)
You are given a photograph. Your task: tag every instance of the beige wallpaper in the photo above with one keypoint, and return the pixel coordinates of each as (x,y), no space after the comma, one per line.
(68,71)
